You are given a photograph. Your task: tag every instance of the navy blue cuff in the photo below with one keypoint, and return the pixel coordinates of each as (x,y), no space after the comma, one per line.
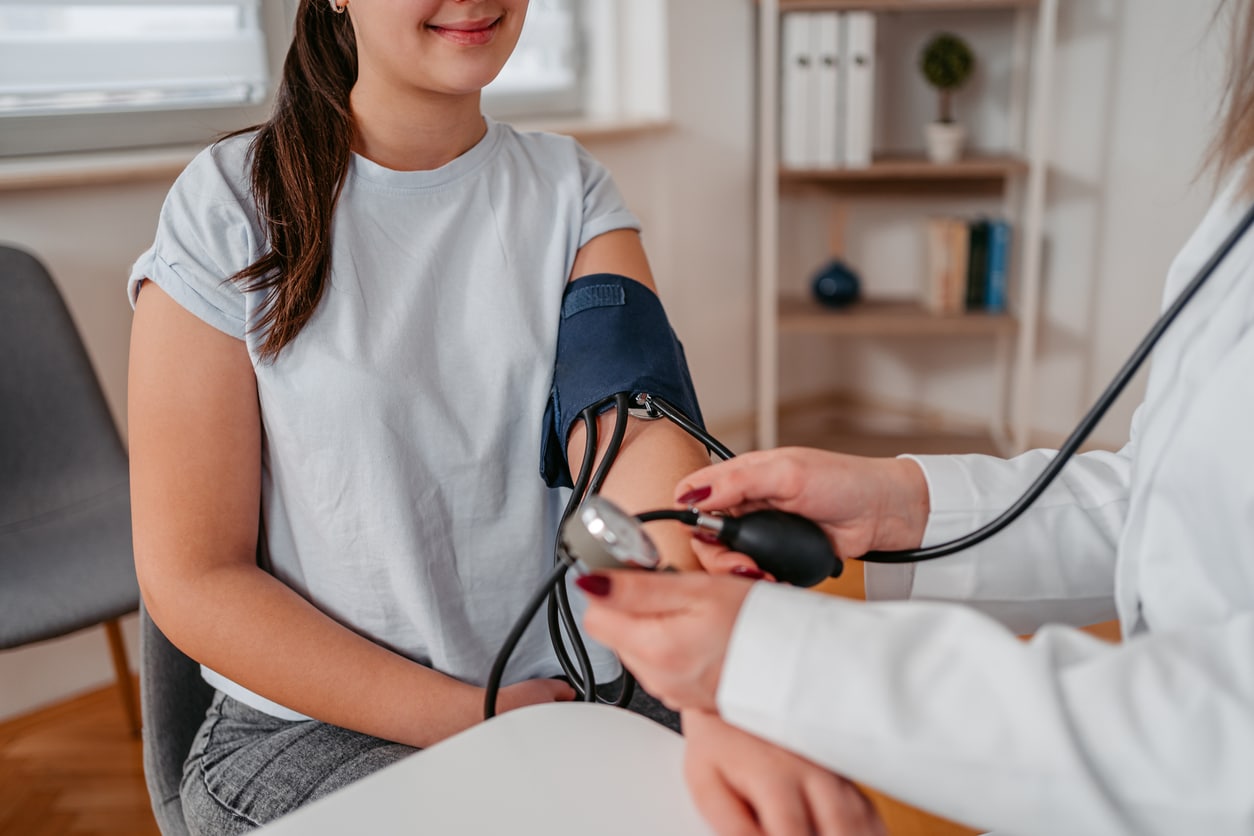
(614,337)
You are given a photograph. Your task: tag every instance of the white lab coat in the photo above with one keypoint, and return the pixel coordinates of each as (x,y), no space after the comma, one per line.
(941,706)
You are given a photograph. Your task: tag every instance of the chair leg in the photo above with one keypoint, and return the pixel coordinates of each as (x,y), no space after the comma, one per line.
(126,684)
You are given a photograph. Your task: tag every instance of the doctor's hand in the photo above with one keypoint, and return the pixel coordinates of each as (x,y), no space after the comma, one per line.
(744,785)
(670,630)
(863,504)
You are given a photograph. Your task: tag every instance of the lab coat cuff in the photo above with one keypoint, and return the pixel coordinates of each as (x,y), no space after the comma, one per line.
(953,495)
(764,654)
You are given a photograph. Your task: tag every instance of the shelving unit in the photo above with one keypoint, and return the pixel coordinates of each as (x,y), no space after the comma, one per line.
(1017,176)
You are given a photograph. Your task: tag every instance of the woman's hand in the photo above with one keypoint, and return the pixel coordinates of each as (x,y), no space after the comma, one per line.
(670,630)
(862,503)
(533,692)
(743,785)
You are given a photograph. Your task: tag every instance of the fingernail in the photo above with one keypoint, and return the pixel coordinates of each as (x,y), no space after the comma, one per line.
(598,585)
(695,495)
(705,536)
(751,572)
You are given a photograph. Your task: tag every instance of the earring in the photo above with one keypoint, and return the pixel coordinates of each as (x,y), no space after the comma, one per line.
(339,7)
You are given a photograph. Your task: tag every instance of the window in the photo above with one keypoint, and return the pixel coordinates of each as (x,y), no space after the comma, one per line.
(542,77)
(73,58)
(86,74)
(82,75)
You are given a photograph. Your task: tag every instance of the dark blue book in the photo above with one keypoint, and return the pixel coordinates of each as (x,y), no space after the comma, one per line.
(998,266)
(977,265)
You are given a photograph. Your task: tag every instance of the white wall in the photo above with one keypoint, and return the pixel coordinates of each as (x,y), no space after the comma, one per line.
(693,190)
(1134,93)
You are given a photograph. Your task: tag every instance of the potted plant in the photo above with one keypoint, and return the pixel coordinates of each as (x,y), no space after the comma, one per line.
(946,63)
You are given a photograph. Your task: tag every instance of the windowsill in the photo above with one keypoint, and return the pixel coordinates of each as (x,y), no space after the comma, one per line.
(589,130)
(93,168)
(108,167)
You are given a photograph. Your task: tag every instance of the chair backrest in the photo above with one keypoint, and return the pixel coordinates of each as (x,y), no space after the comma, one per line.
(65,522)
(61,447)
(174,699)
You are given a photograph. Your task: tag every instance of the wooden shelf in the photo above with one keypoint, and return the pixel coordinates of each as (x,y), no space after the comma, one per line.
(904,5)
(887,318)
(913,170)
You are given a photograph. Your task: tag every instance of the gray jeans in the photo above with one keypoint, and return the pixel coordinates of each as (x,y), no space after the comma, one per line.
(247,768)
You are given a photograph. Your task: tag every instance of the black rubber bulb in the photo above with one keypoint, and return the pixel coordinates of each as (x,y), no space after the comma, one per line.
(790,547)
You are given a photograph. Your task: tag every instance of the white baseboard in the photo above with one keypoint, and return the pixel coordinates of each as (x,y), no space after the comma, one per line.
(48,672)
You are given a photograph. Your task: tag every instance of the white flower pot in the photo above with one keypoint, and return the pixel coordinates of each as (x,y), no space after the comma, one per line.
(945,141)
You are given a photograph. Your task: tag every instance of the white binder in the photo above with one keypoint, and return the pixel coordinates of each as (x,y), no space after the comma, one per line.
(829,36)
(859,114)
(798,148)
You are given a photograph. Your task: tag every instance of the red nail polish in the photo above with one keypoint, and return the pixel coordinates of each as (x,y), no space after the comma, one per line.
(751,572)
(598,585)
(695,495)
(705,536)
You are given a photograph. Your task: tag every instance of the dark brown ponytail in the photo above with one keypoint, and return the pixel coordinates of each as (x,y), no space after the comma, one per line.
(300,158)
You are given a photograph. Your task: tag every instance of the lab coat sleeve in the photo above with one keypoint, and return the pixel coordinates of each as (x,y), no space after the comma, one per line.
(943,708)
(1053,564)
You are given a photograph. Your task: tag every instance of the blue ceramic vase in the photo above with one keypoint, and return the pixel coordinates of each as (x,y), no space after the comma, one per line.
(836,285)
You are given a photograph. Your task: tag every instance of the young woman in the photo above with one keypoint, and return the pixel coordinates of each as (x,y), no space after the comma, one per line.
(941,705)
(342,350)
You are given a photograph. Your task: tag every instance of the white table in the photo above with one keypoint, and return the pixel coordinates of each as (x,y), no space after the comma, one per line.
(553,769)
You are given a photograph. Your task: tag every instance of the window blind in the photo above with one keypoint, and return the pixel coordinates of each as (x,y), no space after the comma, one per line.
(86,56)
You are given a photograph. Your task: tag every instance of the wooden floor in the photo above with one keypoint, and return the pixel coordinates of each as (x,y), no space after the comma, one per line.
(73,769)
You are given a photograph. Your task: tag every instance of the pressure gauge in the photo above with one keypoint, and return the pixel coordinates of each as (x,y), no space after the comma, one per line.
(600,535)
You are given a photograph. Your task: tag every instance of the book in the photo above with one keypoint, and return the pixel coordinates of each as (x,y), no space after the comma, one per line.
(947,248)
(998,266)
(956,280)
(829,103)
(859,117)
(798,91)
(977,265)
(937,253)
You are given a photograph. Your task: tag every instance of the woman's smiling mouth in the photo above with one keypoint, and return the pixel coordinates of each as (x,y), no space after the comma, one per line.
(468,32)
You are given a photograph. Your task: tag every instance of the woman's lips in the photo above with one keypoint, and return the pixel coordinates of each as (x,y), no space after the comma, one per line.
(469,32)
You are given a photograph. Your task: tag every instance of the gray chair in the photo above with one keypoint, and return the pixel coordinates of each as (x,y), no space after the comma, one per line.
(66,559)
(65,509)
(175,699)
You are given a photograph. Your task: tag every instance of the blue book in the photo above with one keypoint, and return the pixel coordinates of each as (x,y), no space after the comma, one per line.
(998,266)
(977,265)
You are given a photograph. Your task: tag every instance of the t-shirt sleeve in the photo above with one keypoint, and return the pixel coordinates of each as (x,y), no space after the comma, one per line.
(604,209)
(206,233)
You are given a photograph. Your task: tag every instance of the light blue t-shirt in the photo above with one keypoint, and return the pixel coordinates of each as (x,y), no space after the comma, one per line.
(400,465)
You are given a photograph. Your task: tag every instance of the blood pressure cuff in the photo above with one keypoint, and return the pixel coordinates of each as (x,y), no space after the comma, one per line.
(613,337)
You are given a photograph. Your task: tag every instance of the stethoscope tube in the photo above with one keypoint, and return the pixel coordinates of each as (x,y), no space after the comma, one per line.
(1087,423)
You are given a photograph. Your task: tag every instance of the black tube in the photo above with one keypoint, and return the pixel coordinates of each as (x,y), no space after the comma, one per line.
(511,640)
(1087,423)
(712,444)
